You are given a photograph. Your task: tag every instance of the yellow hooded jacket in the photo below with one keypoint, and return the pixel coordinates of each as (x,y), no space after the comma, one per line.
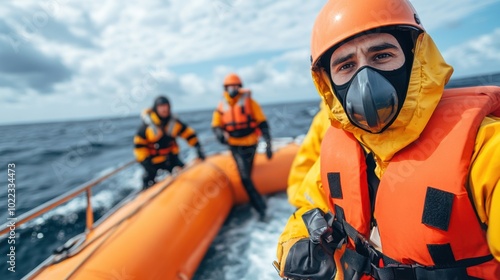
(308,152)
(429,75)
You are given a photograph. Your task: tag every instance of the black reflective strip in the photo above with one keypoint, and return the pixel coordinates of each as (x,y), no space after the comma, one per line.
(141,132)
(334,184)
(191,137)
(437,208)
(183,128)
(441,254)
(141,145)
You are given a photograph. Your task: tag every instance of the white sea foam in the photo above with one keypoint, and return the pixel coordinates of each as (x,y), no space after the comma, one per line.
(126,181)
(250,247)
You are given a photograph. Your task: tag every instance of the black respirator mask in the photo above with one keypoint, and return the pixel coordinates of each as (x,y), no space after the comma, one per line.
(372,98)
(233,92)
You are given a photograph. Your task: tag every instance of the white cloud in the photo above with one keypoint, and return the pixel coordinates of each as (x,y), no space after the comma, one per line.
(127,50)
(439,13)
(477,55)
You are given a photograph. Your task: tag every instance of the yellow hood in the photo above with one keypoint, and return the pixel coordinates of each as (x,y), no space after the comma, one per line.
(429,75)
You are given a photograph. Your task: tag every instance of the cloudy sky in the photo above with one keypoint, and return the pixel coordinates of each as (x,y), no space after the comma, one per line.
(69,59)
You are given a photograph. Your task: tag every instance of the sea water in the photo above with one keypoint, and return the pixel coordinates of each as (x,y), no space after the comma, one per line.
(53,158)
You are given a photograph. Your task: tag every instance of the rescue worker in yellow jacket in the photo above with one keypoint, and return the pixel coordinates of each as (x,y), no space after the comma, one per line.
(238,122)
(308,152)
(408,181)
(155,141)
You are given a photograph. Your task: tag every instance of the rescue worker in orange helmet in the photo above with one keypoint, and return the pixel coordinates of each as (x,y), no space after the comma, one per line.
(238,122)
(155,142)
(408,185)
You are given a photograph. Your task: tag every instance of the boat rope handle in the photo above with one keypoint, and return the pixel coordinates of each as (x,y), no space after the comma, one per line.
(77,268)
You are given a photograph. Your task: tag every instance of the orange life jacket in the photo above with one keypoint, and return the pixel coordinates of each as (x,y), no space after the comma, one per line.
(427,223)
(238,119)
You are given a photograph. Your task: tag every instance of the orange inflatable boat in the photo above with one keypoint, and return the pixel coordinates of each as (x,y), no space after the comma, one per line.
(165,231)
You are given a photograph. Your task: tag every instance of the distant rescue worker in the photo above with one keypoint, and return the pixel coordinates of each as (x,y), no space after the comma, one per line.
(155,142)
(238,122)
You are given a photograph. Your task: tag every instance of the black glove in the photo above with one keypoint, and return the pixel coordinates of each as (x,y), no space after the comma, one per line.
(264,128)
(307,260)
(201,154)
(312,258)
(219,134)
(269,150)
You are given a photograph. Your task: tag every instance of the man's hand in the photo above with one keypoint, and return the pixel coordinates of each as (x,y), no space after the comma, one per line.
(309,258)
(201,154)
(269,150)
(219,135)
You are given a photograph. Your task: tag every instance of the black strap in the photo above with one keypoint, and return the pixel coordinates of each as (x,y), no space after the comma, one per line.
(349,230)
(365,260)
(417,272)
(356,261)
(358,264)
(373,183)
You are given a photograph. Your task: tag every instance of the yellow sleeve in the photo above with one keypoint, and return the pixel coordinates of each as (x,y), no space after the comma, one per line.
(308,152)
(485,180)
(216,119)
(311,197)
(141,151)
(186,132)
(257,112)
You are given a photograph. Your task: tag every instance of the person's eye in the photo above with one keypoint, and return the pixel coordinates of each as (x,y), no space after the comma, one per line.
(382,56)
(345,67)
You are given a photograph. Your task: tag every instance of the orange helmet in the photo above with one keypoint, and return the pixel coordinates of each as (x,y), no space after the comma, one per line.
(232,79)
(339,20)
